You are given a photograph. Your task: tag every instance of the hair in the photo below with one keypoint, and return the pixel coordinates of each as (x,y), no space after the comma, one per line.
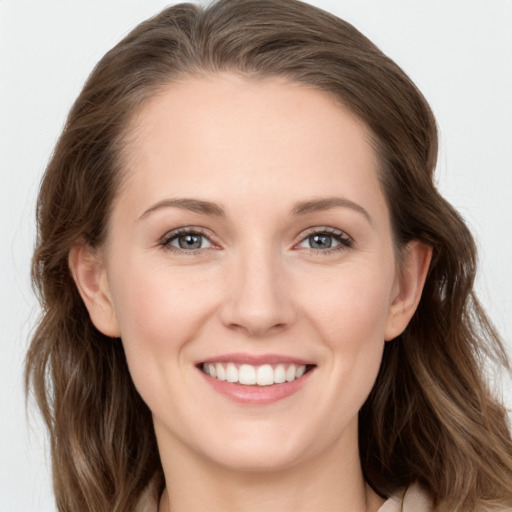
(430,417)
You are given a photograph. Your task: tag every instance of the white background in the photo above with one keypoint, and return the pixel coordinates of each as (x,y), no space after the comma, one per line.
(459,52)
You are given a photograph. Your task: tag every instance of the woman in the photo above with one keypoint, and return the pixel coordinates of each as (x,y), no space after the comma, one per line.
(254,296)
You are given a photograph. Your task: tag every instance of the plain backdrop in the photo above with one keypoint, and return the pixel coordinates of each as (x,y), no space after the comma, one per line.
(459,53)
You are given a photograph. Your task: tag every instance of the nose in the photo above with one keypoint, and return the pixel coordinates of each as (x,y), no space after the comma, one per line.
(257,300)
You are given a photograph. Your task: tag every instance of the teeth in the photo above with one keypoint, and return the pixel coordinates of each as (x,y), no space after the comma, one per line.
(300,371)
(231,373)
(248,375)
(279,374)
(221,372)
(265,375)
(290,373)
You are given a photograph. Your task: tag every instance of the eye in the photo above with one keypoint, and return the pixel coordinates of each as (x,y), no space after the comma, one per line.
(326,240)
(320,241)
(186,240)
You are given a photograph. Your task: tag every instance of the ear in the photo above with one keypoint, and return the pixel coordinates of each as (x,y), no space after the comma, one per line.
(408,287)
(89,273)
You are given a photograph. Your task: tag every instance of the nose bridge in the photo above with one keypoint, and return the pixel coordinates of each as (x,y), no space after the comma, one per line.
(257,301)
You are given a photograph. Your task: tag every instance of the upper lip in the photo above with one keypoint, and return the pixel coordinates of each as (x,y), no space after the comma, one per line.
(255,359)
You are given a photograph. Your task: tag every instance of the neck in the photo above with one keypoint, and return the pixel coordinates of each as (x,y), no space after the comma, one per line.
(330,481)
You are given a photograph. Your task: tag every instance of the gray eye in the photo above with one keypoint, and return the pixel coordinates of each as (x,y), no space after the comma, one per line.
(190,241)
(325,240)
(320,241)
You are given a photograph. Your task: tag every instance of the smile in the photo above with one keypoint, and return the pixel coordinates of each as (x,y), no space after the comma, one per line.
(250,375)
(256,379)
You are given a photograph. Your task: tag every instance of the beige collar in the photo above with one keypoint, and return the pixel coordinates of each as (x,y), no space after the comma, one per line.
(414,499)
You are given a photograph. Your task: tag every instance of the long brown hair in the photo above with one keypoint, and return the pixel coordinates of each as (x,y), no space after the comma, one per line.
(430,417)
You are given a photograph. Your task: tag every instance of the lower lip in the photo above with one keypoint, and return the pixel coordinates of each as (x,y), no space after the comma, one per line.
(257,395)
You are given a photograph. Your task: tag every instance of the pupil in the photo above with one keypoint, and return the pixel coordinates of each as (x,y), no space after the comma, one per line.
(190,241)
(320,241)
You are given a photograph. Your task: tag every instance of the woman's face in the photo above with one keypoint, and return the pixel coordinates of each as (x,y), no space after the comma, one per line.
(250,233)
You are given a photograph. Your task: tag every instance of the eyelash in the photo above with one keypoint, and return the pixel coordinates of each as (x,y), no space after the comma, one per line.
(344,241)
(166,240)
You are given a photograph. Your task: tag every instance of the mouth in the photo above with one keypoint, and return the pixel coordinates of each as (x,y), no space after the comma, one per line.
(256,379)
(255,375)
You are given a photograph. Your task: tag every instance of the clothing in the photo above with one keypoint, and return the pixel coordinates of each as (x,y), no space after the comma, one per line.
(415,500)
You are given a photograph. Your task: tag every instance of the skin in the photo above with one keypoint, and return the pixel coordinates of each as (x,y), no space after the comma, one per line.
(256,149)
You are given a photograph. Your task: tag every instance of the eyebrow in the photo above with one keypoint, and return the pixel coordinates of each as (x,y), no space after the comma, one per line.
(322,204)
(300,208)
(193,205)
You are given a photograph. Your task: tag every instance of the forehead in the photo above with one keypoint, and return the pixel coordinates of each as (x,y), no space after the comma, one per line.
(220,133)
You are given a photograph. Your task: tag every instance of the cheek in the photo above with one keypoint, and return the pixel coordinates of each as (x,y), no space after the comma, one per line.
(159,313)
(158,299)
(350,307)
(350,316)
(355,336)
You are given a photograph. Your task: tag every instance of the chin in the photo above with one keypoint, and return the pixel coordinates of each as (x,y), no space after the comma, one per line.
(269,449)
(257,459)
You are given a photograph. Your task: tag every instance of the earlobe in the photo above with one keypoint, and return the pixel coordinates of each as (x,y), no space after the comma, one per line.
(89,274)
(410,281)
